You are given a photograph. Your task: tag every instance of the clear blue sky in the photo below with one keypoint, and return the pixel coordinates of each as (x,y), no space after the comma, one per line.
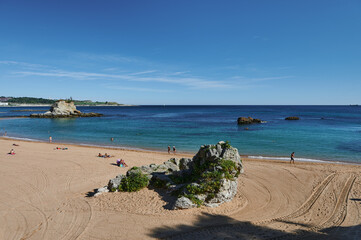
(182,52)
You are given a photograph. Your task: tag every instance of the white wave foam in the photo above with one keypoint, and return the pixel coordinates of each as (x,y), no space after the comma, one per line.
(296,159)
(111,146)
(23,139)
(189,152)
(83,144)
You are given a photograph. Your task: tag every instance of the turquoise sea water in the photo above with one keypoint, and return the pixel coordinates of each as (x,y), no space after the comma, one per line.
(324,132)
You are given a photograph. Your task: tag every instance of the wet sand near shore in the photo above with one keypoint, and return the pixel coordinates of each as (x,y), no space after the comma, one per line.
(47,194)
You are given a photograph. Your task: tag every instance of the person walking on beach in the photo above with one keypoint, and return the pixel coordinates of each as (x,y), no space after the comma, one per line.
(168,149)
(174,150)
(292,157)
(50,139)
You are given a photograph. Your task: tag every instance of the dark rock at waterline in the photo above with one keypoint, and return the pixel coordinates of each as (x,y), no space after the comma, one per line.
(249,120)
(292,118)
(91,114)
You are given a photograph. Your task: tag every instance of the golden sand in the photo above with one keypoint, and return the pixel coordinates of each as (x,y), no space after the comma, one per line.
(45,195)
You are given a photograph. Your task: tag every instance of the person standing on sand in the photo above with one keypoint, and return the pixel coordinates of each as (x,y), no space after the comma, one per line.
(292,158)
(174,150)
(168,149)
(50,139)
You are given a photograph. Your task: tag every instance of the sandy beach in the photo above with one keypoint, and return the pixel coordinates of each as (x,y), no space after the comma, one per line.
(47,194)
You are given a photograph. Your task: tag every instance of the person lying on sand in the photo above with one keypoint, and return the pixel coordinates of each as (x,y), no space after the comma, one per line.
(104,156)
(14,144)
(12,152)
(121,163)
(58,148)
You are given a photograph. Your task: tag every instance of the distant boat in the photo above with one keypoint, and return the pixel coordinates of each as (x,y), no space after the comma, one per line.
(353,105)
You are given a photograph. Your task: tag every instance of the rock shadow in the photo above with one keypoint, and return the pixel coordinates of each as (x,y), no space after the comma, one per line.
(209,226)
(91,193)
(166,197)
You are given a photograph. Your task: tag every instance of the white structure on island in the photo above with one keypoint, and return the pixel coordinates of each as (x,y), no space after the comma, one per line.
(4,104)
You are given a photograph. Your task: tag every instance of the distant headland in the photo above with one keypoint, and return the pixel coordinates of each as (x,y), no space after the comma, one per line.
(32,101)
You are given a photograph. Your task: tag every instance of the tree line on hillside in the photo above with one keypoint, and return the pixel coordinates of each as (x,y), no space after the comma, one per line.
(30,100)
(33,100)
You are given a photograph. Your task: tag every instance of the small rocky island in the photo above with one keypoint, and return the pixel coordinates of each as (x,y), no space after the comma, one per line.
(292,118)
(64,109)
(249,120)
(208,179)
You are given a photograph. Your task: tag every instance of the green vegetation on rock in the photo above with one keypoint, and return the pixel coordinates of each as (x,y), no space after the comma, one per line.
(226,145)
(158,183)
(209,176)
(133,182)
(194,199)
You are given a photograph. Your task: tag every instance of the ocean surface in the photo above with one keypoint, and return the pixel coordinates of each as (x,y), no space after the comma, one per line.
(322,133)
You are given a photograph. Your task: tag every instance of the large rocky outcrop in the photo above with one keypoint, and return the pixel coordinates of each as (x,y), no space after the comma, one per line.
(64,109)
(249,120)
(209,178)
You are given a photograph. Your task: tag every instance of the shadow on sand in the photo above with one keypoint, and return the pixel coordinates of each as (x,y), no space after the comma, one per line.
(210,226)
(91,193)
(166,197)
(357,200)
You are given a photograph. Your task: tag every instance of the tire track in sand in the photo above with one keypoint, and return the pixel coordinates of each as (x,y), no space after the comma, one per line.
(241,229)
(21,223)
(354,218)
(75,213)
(33,202)
(207,231)
(80,214)
(340,211)
(336,219)
(306,206)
